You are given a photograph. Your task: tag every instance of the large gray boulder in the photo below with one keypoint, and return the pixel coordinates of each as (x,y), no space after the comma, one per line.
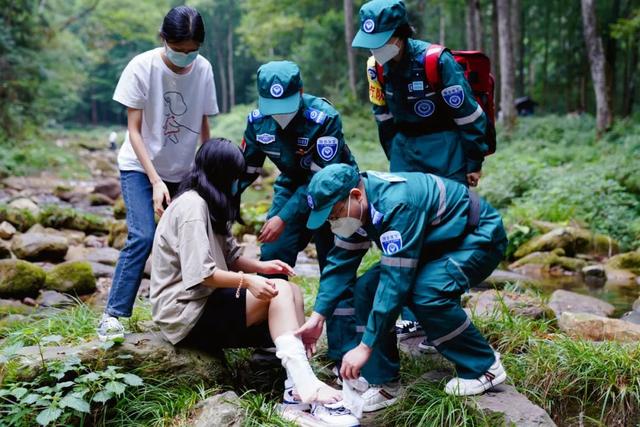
(565,301)
(488,303)
(220,410)
(108,256)
(503,405)
(148,352)
(39,247)
(598,328)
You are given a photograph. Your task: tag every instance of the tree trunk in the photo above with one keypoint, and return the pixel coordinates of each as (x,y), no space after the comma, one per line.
(230,73)
(507,67)
(631,72)
(224,89)
(348,38)
(516,40)
(474,25)
(495,50)
(598,66)
(545,56)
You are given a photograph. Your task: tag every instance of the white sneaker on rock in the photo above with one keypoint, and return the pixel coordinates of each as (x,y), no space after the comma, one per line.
(463,387)
(379,397)
(110,329)
(334,414)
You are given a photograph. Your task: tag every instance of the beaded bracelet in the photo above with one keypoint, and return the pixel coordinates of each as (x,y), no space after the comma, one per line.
(240,284)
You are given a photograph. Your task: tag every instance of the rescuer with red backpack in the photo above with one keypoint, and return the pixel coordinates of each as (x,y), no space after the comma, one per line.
(434,111)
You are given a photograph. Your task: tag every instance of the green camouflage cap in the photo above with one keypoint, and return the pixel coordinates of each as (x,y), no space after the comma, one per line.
(327,187)
(378,20)
(279,85)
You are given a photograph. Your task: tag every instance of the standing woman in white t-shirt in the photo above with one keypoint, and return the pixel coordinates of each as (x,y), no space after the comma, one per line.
(169,93)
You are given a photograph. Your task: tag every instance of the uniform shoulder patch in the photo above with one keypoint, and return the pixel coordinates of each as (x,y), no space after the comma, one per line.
(327,147)
(376,92)
(391,242)
(453,96)
(315,116)
(255,116)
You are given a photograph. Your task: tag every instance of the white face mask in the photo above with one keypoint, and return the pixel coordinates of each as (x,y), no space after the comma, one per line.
(385,53)
(346,226)
(284,119)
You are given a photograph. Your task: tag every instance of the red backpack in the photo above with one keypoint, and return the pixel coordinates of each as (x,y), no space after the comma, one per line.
(477,70)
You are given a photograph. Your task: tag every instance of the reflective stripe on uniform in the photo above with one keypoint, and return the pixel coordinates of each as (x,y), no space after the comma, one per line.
(399,262)
(344,312)
(351,246)
(451,335)
(470,118)
(459,269)
(314,167)
(383,117)
(254,169)
(442,205)
(360,329)
(272,153)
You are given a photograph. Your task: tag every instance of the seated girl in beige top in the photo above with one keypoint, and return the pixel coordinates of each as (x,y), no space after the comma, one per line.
(199,282)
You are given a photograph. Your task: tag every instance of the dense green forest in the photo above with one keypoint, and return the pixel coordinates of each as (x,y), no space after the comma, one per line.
(60,60)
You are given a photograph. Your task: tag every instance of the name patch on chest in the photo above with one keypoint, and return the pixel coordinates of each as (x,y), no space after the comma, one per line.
(266,138)
(303,142)
(391,242)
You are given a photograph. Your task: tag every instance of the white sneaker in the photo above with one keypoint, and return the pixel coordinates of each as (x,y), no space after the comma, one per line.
(336,372)
(334,414)
(463,387)
(291,399)
(110,329)
(379,397)
(406,329)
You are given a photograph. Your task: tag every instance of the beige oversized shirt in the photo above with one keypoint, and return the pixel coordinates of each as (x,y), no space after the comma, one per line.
(185,252)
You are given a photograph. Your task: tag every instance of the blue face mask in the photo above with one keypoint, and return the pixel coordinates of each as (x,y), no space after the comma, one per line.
(180,59)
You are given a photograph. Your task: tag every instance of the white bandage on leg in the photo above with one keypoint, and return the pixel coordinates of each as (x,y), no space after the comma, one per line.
(290,351)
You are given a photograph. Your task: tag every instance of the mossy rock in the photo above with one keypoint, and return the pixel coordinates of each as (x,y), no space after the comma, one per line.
(254,216)
(57,217)
(21,219)
(119,209)
(548,260)
(628,261)
(19,279)
(118,234)
(74,277)
(572,240)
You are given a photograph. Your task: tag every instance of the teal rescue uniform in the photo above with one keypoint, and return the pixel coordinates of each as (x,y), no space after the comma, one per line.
(430,256)
(311,141)
(424,130)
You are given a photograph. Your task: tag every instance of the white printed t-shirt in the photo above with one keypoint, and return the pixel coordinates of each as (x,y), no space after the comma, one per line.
(173,106)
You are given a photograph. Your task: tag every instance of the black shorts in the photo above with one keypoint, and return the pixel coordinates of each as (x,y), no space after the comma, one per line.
(223,324)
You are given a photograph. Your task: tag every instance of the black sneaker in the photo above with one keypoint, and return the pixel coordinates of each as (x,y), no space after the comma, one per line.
(427,346)
(407,329)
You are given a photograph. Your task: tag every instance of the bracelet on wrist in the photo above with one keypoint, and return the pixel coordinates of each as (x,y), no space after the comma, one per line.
(240,284)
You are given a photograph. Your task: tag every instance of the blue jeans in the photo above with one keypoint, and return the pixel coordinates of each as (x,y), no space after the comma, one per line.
(137,193)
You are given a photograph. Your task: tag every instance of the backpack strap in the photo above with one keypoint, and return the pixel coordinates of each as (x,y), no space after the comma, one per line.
(380,73)
(431,60)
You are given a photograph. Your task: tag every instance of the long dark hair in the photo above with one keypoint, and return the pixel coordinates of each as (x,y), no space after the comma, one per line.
(219,163)
(182,23)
